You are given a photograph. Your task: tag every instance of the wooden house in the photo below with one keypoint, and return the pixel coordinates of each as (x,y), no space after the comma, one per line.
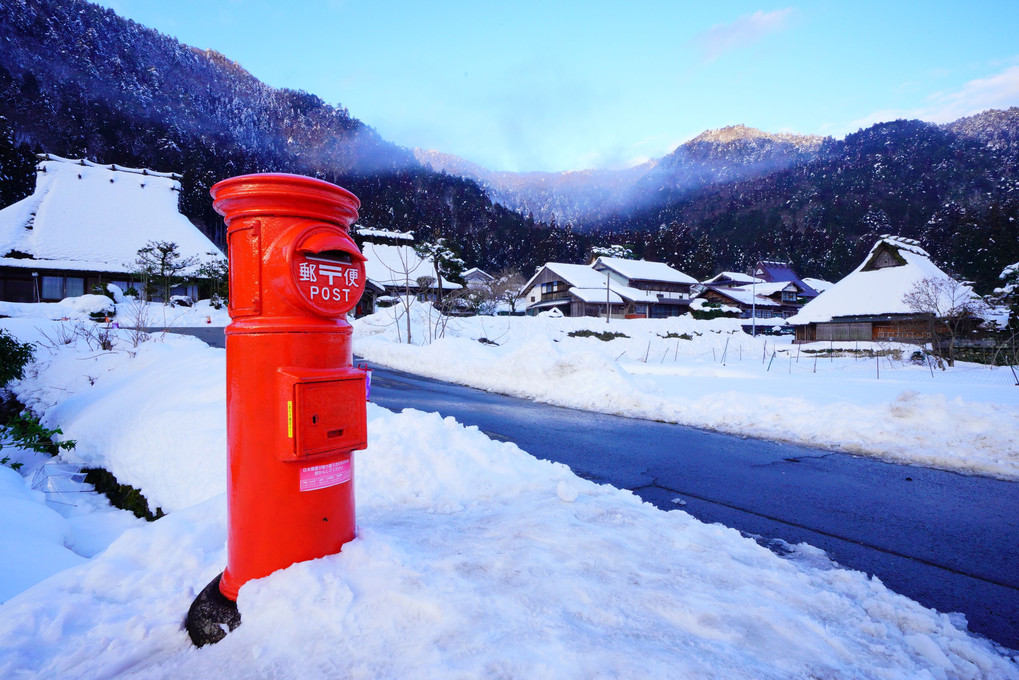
(626,288)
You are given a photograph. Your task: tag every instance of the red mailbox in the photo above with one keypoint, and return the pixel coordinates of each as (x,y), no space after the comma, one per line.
(295,404)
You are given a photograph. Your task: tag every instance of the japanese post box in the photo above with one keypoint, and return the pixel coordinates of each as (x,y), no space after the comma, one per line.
(295,405)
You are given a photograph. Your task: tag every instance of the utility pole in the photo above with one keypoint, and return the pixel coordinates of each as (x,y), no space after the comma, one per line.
(608,298)
(753,302)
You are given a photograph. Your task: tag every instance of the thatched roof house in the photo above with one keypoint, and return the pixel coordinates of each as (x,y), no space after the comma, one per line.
(84,224)
(869,304)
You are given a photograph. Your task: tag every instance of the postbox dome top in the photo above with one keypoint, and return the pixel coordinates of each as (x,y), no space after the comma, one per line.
(280,194)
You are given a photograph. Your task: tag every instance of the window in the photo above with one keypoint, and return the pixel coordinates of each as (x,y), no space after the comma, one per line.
(74,286)
(52,288)
(788,296)
(554,289)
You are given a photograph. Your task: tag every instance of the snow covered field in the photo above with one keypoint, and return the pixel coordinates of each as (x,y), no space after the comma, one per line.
(473,559)
(710,374)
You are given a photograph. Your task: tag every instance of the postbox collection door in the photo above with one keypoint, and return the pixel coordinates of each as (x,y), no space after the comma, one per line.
(322,417)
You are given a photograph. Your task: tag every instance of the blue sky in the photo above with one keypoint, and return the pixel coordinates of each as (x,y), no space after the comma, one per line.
(546,85)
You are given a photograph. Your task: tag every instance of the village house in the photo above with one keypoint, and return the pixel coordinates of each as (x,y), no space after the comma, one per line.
(393,268)
(84,225)
(773,291)
(869,304)
(477,278)
(626,288)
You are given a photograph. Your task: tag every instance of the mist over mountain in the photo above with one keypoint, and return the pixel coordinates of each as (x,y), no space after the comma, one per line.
(79,81)
(585,197)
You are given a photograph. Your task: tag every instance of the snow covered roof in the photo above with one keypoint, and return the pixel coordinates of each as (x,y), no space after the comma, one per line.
(745,296)
(643,270)
(596,295)
(874,288)
(577,275)
(733,277)
(588,284)
(820,285)
(369,233)
(388,265)
(773,287)
(474,273)
(88,217)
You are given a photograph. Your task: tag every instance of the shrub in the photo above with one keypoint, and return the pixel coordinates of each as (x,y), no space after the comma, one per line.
(604,336)
(14,357)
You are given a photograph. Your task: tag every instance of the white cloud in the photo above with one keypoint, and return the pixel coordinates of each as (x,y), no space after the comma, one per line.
(999,91)
(743,32)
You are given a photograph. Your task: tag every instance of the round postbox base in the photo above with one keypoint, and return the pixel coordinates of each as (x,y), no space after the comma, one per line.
(211,615)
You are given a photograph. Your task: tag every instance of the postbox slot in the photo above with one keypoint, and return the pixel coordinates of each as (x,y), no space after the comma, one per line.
(328,412)
(331,256)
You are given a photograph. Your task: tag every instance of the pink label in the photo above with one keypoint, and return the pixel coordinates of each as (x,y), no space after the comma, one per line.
(324,476)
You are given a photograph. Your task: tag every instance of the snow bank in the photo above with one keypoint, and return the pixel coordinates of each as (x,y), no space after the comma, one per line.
(710,374)
(476,560)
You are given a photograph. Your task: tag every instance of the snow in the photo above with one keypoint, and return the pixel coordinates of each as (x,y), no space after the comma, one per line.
(473,559)
(88,217)
(736,277)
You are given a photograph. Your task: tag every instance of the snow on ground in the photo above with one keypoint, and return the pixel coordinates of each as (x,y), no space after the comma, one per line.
(473,559)
(129,314)
(710,374)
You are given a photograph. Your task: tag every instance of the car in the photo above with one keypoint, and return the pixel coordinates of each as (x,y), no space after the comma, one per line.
(181,300)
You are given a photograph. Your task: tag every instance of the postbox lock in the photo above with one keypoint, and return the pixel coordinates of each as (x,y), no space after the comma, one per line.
(328,271)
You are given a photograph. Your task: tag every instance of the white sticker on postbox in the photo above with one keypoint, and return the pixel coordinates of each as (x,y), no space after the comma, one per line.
(323,476)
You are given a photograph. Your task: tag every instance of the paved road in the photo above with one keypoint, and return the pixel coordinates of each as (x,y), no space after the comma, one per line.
(946,540)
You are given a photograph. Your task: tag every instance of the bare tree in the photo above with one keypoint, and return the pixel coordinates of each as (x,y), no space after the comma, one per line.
(951,307)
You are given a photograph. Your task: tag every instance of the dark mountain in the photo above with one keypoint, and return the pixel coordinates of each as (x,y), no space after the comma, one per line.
(79,81)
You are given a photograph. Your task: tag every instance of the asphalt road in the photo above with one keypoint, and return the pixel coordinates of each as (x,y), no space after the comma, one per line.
(947,540)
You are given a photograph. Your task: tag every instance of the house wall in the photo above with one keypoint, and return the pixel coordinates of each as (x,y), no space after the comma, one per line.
(661,286)
(902,331)
(841,332)
(534,294)
(578,308)
(18,285)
